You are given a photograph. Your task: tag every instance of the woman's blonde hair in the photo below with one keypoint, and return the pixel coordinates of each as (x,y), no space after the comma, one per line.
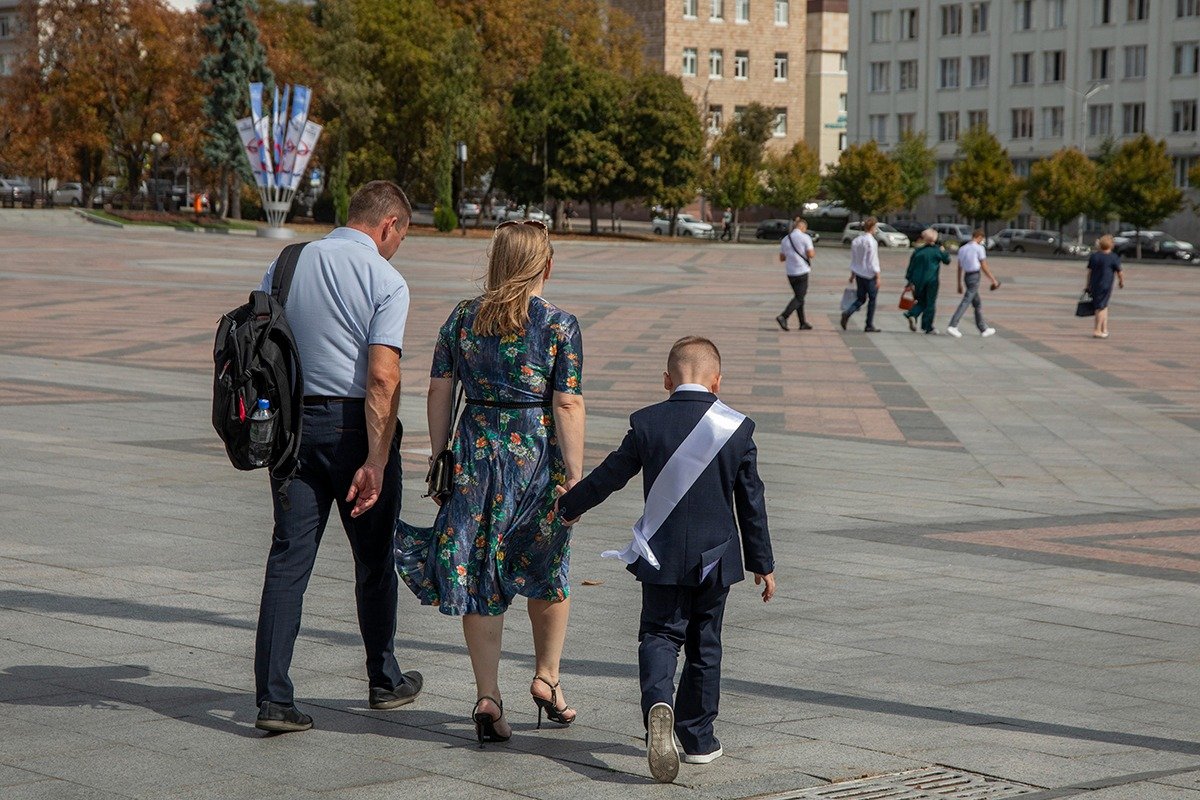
(1106,242)
(517,260)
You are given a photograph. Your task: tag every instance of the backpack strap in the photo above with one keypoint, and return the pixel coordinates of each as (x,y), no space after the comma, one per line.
(285,269)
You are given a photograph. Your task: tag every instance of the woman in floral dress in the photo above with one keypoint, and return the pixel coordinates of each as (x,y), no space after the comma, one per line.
(520,361)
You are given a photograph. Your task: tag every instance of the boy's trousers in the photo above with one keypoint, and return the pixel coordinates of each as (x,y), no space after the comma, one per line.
(688,617)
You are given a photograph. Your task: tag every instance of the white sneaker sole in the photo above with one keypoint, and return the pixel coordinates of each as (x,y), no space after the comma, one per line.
(661,751)
(955,332)
(703,758)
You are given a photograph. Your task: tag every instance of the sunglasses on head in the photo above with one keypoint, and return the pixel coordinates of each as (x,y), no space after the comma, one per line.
(534,222)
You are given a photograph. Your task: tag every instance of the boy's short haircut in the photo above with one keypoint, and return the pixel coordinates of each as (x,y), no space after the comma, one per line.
(978,234)
(694,353)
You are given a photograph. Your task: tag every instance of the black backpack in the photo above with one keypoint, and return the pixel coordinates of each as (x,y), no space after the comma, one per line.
(255,356)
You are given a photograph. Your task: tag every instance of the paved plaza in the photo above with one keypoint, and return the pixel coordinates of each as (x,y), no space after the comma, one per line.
(989,549)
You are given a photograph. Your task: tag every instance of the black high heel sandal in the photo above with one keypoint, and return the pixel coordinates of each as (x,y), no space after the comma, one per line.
(485,724)
(553,712)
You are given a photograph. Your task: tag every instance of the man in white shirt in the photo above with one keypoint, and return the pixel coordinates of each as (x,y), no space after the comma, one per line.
(972,260)
(864,271)
(796,252)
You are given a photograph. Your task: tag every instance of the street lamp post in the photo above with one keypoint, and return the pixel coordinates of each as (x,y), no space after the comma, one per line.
(1084,97)
(156,140)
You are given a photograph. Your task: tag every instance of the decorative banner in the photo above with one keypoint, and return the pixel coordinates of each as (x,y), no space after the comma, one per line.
(304,151)
(278,146)
(252,146)
(256,98)
(295,129)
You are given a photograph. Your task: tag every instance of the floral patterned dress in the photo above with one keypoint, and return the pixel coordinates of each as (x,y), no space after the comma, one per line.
(497,536)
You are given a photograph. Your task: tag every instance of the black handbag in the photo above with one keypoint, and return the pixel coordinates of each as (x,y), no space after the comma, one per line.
(1086,307)
(440,479)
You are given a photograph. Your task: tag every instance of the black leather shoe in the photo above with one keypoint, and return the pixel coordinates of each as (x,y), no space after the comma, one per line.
(781,321)
(804,326)
(871,329)
(845,319)
(278,718)
(383,699)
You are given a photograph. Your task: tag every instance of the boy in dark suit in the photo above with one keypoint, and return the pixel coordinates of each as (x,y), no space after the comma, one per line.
(699,469)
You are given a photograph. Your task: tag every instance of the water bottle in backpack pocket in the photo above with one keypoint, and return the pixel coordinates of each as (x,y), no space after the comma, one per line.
(262,433)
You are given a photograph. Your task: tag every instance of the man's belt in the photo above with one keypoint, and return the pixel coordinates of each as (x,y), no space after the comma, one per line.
(322,399)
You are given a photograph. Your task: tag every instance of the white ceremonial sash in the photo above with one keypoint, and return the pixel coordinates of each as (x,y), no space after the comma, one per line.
(682,470)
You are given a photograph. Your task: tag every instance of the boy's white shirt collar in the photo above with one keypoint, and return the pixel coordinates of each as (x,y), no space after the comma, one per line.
(691,387)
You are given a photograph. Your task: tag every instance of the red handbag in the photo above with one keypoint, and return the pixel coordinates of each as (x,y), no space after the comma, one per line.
(906,299)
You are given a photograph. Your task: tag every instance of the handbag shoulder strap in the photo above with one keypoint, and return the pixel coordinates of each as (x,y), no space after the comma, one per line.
(792,242)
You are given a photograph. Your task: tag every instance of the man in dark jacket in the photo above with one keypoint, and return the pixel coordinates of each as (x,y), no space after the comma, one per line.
(922,276)
(699,469)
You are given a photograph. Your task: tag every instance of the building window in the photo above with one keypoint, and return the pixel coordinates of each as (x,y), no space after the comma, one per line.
(841,142)
(842,62)
(1100,120)
(738,111)
(1187,8)
(717,11)
(741,64)
(689,61)
(880,77)
(877,124)
(1022,123)
(5,64)
(1133,118)
(952,20)
(1103,13)
(689,9)
(741,10)
(780,129)
(1021,167)
(880,24)
(979,17)
(909,19)
(1102,63)
(1022,68)
(948,126)
(1055,66)
(1023,18)
(6,30)
(940,174)
(1135,61)
(908,76)
(1056,13)
(1187,58)
(980,68)
(1052,122)
(716,63)
(906,124)
(781,66)
(842,102)
(977,119)
(1183,116)
(715,119)
(948,73)
(1138,10)
(1183,165)
(781,12)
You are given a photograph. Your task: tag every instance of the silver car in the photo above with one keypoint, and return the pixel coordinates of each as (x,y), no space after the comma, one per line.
(1048,242)
(885,234)
(1003,239)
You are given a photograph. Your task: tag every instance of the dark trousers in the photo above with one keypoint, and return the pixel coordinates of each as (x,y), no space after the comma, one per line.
(727,232)
(925,295)
(868,292)
(688,617)
(799,290)
(333,447)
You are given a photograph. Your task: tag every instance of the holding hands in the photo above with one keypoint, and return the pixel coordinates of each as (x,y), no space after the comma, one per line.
(559,492)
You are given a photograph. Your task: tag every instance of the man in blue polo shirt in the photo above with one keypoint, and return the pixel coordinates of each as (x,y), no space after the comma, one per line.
(347,309)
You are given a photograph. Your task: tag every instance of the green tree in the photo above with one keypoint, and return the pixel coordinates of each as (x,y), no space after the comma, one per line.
(981,183)
(1194,182)
(1139,180)
(235,59)
(793,177)
(735,179)
(1063,186)
(916,162)
(865,180)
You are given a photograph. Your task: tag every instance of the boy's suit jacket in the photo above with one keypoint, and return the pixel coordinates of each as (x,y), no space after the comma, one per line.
(703,528)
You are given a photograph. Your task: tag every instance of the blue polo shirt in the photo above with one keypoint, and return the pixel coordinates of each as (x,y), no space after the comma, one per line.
(344,298)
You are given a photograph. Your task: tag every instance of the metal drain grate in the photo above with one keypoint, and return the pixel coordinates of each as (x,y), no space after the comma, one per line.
(933,783)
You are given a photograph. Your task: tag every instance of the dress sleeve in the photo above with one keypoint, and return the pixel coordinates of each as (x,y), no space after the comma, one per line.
(568,357)
(443,361)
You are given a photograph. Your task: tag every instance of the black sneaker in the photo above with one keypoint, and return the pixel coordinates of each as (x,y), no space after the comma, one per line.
(804,326)
(384,699)
(933,332)
(278,718)
(782,320)
(871,329)
(845,319)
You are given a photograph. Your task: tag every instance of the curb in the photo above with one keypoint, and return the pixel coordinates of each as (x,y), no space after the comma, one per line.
(92,218)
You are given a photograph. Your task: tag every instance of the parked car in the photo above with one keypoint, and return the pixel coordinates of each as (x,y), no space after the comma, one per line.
(885,234)
(468,209)
(104,191)
(1049,242)
(955,235)
(15,189)
(910,228)
(831,209)
(518,213)
(1155,244)
(1003,239)
(779,228)
(69,194)
(685,225)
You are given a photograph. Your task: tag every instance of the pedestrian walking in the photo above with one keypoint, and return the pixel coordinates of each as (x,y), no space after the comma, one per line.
(796,251)
(864,273)
(972,260)
(347,308)
(727,231)
(1102,267)
(922,277)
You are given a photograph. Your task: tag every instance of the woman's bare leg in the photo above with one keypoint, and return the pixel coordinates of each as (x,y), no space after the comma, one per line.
(484,635)
(549,623)
(1102,321)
